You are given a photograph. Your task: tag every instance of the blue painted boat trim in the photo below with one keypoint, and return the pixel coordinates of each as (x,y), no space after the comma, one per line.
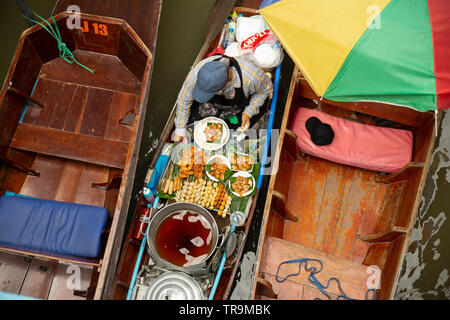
(26,104)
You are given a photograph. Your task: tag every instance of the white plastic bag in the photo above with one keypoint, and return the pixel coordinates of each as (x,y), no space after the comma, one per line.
(233,50)
(248,26)
(268,53)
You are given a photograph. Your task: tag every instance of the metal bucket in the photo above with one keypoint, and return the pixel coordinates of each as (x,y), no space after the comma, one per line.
(160,216)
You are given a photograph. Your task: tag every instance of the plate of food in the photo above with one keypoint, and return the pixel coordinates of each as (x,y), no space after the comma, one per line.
(242,184)
(211,133)
(241,162)
(218,168)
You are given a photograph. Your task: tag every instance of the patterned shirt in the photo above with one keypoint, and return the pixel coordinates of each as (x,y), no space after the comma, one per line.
(257,85)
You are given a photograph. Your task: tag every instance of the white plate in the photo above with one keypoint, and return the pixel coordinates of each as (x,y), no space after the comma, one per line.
(224,159)
(199,136)
(244,174)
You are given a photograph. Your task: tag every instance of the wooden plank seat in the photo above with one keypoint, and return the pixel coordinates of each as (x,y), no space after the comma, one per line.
(352,276)
(69,145)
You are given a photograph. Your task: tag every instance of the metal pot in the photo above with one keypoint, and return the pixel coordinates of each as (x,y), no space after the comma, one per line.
(160,216)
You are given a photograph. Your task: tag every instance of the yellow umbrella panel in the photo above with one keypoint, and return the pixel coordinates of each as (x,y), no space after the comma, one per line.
(322,39)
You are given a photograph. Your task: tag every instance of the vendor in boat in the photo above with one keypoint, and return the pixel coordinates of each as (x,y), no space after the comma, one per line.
(223,87)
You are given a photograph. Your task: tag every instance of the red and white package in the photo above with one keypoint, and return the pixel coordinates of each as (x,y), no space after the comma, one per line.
(253,41)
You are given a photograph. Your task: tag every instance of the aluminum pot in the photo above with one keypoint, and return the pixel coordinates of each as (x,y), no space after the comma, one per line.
(160,216)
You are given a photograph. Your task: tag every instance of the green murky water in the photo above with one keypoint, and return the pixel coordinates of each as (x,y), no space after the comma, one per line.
(425,273)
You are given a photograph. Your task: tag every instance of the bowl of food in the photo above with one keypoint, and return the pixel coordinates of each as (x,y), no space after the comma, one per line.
(241,162)
(242,184)
(218,168)
(211,133)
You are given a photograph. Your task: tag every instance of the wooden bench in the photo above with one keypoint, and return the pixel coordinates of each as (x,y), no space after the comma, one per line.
(59,143)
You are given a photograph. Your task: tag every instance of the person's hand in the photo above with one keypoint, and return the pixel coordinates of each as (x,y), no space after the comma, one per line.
(179,135)
(245,122)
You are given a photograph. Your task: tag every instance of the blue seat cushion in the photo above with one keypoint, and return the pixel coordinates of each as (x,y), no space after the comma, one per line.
(52,226)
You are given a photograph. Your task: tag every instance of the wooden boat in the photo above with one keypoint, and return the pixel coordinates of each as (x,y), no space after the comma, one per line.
(130,250)
(72,136)
(357,222)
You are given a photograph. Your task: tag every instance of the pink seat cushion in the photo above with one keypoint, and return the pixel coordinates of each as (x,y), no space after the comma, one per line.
(354,144)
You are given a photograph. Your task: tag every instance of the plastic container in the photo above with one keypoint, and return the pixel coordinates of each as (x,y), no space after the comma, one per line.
(229,38)
(148,195)
(223,33)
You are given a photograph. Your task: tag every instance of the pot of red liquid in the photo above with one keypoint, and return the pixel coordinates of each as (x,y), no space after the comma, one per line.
(182,236)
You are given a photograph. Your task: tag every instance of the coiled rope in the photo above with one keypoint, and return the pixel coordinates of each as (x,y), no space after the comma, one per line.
(64,52)
(313,279)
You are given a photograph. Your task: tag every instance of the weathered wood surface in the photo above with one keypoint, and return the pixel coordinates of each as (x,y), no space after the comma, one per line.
(72,146)
(13,269)
(141,15)
(353,276)
(38,281)
(110,72)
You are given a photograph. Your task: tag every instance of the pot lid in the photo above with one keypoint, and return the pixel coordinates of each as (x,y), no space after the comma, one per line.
(174,286)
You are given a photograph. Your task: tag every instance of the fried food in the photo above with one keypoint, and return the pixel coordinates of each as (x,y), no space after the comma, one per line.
(240,162)
(242,185)
(218,169)
(213,132)
(192,163)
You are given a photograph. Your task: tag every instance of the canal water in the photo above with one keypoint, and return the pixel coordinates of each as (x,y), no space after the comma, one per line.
(426,268)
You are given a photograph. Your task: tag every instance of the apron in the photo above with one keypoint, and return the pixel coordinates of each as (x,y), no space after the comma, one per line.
(221,107)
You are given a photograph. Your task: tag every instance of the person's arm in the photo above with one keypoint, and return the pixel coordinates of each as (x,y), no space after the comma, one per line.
(262,89)
(184,102)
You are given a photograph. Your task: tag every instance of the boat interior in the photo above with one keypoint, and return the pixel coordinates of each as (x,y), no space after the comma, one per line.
(68,135)
(131,246)
(356,221)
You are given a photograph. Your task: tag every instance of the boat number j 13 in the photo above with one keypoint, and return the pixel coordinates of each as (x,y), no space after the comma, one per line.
(98,28)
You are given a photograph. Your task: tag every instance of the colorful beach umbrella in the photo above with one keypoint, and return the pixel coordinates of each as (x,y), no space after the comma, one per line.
(390,51)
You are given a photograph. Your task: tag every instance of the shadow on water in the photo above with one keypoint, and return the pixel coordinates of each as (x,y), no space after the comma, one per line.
(13,24)
(425,273)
